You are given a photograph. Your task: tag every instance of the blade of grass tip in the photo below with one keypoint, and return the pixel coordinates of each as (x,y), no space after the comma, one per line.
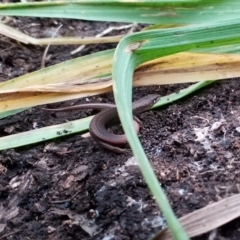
(182,93)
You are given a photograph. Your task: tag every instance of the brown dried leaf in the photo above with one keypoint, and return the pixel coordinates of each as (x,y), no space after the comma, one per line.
(206,219)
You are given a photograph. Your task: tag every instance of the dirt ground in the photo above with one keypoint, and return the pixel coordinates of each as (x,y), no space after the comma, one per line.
(71,188)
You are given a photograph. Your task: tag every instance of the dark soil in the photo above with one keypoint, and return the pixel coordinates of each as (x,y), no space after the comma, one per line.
(71,188)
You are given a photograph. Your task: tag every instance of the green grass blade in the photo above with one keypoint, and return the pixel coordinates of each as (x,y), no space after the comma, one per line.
(11,112)
(43,134)
(181,94)
(158,11)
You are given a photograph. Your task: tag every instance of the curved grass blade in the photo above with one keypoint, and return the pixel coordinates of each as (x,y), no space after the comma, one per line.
(137,48)
(181,94)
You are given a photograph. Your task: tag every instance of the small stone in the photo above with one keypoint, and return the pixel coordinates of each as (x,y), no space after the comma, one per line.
(226,143)
(228,155)
(216,125)
(51,229)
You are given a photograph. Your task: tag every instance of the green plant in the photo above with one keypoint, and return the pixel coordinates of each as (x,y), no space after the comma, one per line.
(215,30)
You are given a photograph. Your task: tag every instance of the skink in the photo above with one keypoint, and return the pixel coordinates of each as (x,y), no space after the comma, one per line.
(109,117)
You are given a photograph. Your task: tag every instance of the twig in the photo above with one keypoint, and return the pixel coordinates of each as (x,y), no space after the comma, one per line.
(106,31)
(46,49)
(8,234)
(66,200)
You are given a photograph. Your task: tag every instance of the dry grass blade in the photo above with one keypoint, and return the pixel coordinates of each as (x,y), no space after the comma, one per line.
(206,219)
(80,77)
(24,38)
(187,67)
